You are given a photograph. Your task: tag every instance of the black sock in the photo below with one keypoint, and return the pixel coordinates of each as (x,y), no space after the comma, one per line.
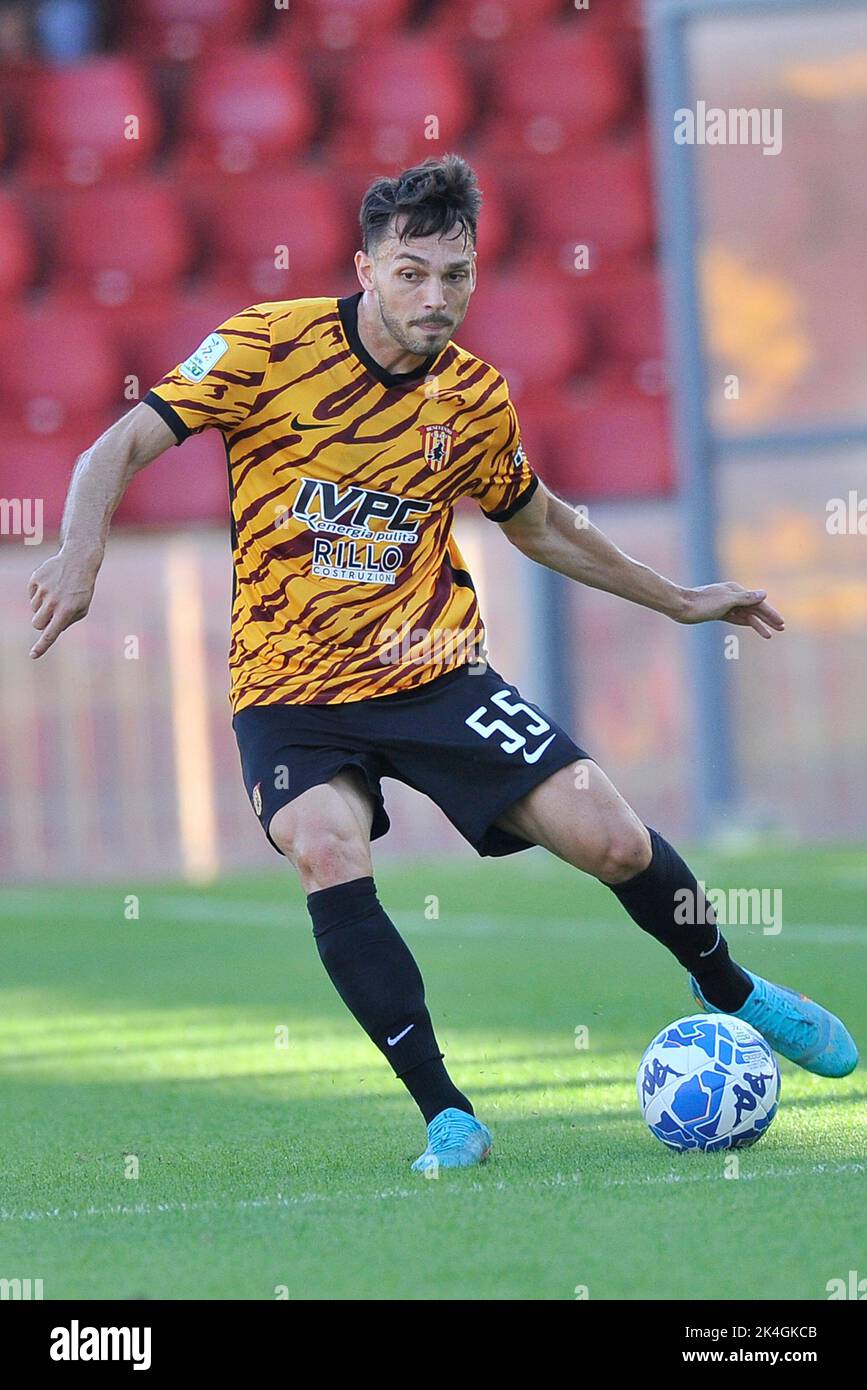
(666,901)
(376,976)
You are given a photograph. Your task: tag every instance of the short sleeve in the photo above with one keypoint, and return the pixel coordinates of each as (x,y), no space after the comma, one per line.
(218,384)
(504,482)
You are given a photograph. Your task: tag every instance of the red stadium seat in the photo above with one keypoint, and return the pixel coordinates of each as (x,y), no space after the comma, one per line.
(245,108)
(64,365)
(17,79)
(534,413)
(341,24)
(523,328)
(630,315)
(495,231)
(340,280)
(553,89)
(493,20)
(162,331)
(621,14)
(118,239)
(17,253)
(600,199)
(280,233)
(180,30)
(608,441)
(184,485)
(413,101)
(89,121)
(624,310)
(39,465)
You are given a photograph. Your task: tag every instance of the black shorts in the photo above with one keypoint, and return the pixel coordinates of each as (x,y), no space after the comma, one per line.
(467,739)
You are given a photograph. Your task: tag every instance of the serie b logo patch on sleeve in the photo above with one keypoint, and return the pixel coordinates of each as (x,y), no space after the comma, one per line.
(256,798)
(204,358)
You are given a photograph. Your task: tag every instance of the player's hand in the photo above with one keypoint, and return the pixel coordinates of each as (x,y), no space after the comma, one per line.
(730,603)
(60,592)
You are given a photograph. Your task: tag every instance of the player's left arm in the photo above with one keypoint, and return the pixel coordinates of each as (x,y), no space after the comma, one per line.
(551,532)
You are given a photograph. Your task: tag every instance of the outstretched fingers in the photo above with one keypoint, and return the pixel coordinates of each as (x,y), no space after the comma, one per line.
(753,610)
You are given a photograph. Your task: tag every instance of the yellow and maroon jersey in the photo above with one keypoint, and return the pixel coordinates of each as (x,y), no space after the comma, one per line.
(343,478)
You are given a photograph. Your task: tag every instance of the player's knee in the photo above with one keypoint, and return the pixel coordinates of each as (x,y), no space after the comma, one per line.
(623,853)
(324,855)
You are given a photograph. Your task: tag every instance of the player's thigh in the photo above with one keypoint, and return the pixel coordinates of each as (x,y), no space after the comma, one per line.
(578,814)
(325,832)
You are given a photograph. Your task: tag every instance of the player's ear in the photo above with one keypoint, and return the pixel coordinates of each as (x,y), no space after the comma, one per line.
(364,269)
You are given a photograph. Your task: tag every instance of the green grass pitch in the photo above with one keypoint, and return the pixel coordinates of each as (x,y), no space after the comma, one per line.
(201,1046)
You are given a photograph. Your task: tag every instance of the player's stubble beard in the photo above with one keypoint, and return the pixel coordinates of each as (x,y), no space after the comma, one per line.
(419,346)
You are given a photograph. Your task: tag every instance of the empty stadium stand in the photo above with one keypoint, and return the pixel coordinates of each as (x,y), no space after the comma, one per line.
(211,156)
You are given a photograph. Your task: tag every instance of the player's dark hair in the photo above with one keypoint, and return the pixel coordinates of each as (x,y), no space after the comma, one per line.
(430,199)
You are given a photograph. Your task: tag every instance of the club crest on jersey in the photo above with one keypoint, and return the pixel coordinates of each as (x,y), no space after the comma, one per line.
(437,445)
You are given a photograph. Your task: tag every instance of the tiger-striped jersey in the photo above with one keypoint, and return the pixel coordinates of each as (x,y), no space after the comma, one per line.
(343,478)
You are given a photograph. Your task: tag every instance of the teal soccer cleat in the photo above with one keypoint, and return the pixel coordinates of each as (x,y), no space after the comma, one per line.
(795,1026)
(454,1140)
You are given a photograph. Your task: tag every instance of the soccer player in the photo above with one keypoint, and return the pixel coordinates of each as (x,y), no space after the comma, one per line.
(352,427)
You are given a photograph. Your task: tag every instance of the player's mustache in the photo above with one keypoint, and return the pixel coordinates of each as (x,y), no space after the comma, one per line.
(433,323)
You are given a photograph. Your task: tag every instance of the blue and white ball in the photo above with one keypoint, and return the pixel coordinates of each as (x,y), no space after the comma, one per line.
(708,1082)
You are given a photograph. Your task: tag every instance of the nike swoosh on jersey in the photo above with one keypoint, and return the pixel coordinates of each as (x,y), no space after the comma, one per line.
(297,424)
(392,1041)
(534,757)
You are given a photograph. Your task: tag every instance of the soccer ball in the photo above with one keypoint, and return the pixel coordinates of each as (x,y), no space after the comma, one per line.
(708,1082)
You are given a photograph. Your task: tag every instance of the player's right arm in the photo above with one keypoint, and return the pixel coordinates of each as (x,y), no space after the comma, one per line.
(61,589)
(216,387)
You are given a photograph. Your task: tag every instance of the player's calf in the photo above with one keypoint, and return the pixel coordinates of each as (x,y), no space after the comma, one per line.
(592,827)
(654,900)
(325,833)
(376,976)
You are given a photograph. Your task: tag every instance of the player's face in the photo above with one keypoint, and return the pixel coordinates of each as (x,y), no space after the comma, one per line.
(423,287)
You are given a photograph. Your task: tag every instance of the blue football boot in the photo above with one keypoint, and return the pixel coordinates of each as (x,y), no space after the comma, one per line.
(454,1140)
(795,1026)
